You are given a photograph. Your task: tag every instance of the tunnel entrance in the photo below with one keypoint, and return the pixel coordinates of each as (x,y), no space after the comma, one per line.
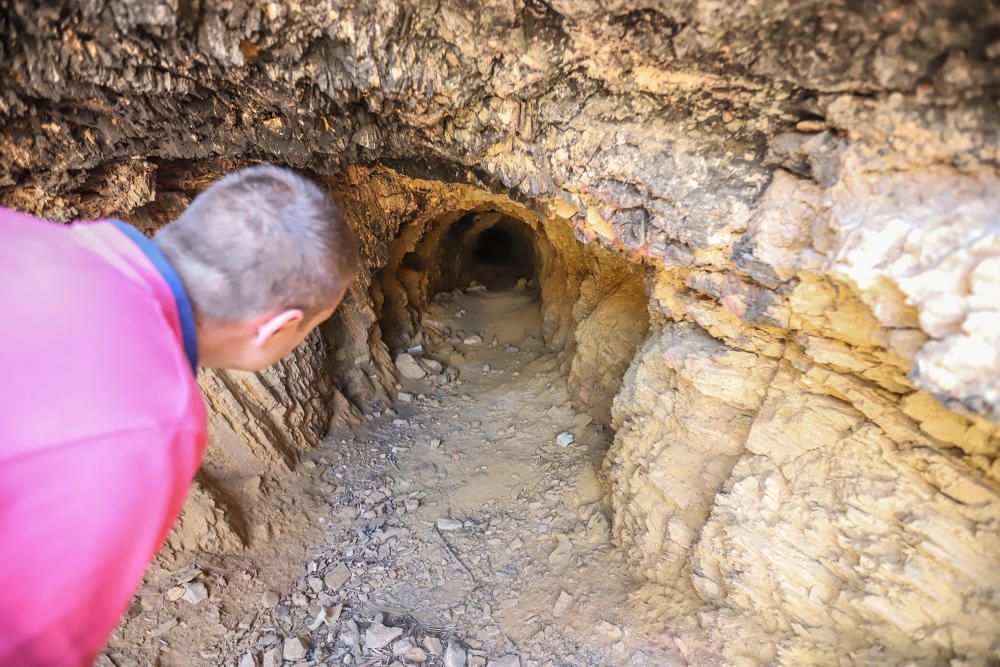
(585,304)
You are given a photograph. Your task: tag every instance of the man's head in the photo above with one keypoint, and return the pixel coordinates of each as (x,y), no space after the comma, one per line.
(265,256)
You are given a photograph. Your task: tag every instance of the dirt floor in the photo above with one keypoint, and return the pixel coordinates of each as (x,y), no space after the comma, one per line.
(458,531)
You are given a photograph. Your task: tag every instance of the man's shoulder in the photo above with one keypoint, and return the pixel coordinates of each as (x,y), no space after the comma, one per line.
(84,350)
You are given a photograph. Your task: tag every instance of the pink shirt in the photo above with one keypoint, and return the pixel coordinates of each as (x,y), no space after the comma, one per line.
(102,427)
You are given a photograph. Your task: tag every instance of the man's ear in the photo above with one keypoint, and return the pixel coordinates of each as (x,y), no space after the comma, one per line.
(275,324)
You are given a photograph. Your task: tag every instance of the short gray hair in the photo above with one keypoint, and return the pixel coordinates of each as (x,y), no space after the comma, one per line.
(261,239)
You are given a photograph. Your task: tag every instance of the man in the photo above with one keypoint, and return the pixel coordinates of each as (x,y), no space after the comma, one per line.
(102,425)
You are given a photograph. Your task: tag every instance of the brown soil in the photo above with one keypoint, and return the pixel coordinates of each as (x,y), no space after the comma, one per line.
(530,572)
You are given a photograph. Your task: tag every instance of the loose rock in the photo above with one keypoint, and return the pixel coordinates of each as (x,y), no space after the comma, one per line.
(295,648)
(811,126)
(163,628)
(402,646)
(449,524)
(250,659)
(506,661)
(431,366)
(433,645)
(195,593)
(272,657)
(378,636)
(454,656)
(269,600)
(565,439)
(608,630)
(415,654)
(408,367)
(337,577)
(563,603)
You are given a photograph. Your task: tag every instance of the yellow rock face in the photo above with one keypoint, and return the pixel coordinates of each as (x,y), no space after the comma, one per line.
(782,452)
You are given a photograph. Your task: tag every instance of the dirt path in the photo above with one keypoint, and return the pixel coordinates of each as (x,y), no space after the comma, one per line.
(458,521)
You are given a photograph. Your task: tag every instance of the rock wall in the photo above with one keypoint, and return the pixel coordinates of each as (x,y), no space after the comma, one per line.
(774,448)
(800,196)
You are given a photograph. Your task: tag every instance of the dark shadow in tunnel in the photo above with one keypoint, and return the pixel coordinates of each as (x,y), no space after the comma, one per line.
(492,249)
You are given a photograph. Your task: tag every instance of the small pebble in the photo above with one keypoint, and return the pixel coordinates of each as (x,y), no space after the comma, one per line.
(295,648)
(506,661)
(378,636)
(415,654)
(272,657)
(563,604)
(454,656)
(195,593)
(402,646)
(449,524)
(337,577)
(433,645)
(811,126)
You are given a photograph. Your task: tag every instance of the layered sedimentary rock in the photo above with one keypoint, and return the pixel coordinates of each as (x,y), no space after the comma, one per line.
(789,211)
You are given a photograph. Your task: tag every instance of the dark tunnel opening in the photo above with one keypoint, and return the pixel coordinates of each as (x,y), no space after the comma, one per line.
(491,249)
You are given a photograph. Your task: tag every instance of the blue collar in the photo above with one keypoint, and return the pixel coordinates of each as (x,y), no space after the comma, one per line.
(184,311)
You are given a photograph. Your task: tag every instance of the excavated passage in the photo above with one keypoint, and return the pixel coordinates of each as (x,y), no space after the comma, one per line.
(593,302)
(773,466)
(469,505)
(456,517)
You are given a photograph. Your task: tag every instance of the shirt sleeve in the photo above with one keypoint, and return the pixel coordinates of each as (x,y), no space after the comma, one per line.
(79,524)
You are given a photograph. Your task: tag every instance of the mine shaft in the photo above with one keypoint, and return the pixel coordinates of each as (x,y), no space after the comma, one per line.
(673,340)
